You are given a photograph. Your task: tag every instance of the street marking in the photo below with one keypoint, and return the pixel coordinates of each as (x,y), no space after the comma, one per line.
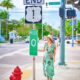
(7,65)
(12,53)
(21,51)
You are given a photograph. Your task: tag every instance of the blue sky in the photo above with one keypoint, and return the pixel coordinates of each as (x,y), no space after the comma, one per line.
(50,13)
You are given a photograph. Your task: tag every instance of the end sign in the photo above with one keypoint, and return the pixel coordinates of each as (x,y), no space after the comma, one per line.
(33,2)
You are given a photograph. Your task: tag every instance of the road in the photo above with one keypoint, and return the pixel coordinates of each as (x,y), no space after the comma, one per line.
(12,55)
(7,47)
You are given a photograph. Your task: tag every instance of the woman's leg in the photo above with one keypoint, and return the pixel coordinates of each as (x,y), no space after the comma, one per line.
(50,78)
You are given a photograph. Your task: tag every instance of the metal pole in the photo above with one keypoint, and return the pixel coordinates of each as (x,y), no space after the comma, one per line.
(42,30)
(7,25)
(62,36)
(33,56)
(33,60)
(6,28)
(72,32)
(33,68)
(42,23)
(0,27)
(76,28)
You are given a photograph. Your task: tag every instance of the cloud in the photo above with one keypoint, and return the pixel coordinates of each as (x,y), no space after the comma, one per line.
(18,3)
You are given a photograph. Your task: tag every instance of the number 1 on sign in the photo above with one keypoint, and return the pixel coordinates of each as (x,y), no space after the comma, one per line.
(33,14)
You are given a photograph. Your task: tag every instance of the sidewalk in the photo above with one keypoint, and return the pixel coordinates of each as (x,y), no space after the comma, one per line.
(69,72)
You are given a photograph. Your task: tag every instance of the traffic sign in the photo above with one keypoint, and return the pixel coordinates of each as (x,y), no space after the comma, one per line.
(33,42)
(33,2)
(33,14)
(54,3)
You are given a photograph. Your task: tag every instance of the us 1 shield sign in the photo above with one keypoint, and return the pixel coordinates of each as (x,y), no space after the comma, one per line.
(33,14)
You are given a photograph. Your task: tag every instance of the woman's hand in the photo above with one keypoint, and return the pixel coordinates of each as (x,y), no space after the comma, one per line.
(41,50)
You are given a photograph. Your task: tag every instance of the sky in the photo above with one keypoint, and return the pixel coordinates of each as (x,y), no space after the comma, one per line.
(50,13)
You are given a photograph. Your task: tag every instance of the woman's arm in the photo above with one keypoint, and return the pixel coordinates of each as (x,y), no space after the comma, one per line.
(41,50)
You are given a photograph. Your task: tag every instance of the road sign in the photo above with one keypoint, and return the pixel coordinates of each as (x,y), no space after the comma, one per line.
(33,2)
(54,3)
(33,14)
(33,42)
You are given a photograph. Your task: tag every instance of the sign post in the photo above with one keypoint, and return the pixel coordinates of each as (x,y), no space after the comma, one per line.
(0,27)
(62,36)
(33,47)
(72,32)
(33,14)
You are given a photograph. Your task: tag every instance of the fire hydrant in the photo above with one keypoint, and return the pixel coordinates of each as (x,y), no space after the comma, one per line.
(16,74)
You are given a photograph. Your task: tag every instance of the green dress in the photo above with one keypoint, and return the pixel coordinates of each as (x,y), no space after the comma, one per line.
(48,63)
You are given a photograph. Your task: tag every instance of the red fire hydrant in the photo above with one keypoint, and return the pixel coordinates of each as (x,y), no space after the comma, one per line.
(16,74)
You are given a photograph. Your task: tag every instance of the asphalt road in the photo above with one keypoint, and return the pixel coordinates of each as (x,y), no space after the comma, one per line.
(7,47)
(12,55)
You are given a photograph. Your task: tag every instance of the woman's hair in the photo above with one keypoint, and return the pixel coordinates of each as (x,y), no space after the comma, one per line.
(52,41)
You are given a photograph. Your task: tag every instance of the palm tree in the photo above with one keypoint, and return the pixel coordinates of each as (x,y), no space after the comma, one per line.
(8,5)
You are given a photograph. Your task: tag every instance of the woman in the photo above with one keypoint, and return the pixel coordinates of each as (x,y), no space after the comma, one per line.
(49,58)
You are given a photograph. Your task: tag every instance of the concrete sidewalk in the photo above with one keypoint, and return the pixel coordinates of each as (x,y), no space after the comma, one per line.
(68,72)
(71,71)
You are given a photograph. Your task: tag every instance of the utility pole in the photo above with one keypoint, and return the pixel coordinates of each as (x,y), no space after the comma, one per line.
(76,28)
(72,32)
(0,27)
(62,35)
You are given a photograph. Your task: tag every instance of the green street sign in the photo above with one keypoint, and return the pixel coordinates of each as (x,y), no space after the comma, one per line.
(33,42)
(54,3)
